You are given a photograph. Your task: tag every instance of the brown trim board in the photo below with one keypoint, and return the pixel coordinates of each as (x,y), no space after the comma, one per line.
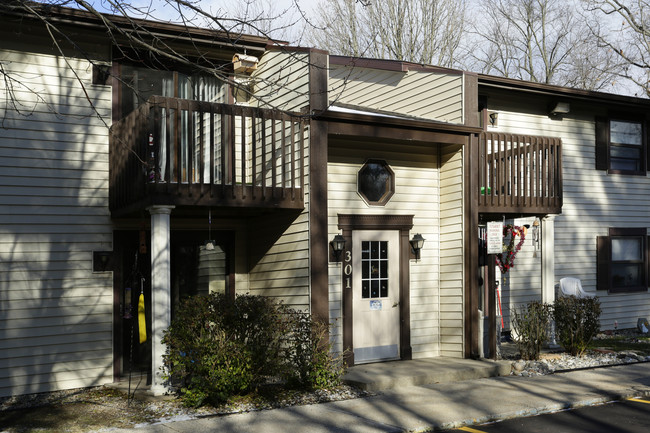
(470,247)
(318,241)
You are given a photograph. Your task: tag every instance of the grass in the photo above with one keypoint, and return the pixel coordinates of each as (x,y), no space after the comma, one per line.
(619,343)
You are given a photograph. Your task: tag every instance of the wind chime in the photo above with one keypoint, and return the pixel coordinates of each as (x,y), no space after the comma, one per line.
(142,322)
(210,243)
(135,278)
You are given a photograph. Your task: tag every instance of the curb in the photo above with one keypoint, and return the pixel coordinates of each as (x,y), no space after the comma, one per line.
(551,408)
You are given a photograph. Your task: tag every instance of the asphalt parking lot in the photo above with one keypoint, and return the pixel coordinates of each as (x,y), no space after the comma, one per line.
(623,416)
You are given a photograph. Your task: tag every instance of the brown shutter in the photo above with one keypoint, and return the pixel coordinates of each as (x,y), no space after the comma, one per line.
(602,263)
(646,147)
(602,143)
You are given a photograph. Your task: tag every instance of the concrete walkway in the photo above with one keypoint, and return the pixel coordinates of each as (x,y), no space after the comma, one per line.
(398,374)
(435,406)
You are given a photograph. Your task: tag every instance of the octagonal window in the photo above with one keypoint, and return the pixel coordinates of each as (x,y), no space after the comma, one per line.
(376,182)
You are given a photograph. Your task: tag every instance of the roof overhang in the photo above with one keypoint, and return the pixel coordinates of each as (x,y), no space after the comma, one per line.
(346,123)
(197,37)
(488,81)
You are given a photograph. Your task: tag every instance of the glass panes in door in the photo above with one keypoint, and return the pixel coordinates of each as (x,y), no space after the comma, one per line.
(374,269)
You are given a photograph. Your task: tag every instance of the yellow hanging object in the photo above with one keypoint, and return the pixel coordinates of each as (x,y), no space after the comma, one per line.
(142,324)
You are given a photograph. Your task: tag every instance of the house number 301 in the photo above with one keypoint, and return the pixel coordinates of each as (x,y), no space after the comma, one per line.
(347,269)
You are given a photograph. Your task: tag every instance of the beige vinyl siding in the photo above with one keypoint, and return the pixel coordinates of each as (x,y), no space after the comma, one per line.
(281,81)
(451,252)
(335,305)
(423,94)
(56,314)
(416,193)
(593,202)
(283,272)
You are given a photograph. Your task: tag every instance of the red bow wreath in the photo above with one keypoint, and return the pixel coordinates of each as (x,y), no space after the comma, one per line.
(506,259)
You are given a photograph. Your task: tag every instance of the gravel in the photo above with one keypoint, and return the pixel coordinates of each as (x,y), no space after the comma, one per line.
(551,363)
(557,361)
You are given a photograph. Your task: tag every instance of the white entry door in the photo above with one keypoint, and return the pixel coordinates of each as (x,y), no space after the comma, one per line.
(375,295)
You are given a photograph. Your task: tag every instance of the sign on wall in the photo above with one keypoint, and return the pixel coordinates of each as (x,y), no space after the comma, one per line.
(495,237)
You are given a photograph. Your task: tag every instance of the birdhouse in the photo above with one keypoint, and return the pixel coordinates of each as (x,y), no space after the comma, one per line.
(243,63)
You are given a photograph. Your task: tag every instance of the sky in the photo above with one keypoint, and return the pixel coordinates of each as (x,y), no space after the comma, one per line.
(285,11)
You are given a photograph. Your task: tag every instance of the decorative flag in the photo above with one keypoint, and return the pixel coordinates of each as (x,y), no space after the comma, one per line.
(142,324)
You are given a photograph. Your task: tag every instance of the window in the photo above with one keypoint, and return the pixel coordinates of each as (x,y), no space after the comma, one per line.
(376,182)
(137,84)
(178,128)
(621,145)
(623,260)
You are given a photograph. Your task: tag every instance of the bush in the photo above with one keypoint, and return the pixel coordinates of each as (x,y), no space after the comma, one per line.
(223,368)
(577,320)
(530,323)
(311,361)
(261,325)
(217,348)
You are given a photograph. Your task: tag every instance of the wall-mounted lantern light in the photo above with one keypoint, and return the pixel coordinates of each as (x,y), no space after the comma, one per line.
(102,261)
(494,119)
(559,108)
(416,245)
(338,245)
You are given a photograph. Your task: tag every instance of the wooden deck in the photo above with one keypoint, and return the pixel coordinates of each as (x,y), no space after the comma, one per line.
(519,174)
(189,153)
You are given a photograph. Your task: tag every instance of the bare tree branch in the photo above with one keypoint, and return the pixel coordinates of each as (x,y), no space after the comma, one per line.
(540,41)
(421,31)
(629,40)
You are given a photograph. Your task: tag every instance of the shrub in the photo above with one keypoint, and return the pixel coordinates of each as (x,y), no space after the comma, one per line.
(217,348)
(261,325)
(530,323)
(310,359)
(223,368)
(577,320)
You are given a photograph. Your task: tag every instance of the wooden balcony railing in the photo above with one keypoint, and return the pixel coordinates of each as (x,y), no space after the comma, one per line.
(520,174)
(192,153)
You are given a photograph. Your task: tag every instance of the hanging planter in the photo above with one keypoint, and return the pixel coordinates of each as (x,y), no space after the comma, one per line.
(506,259)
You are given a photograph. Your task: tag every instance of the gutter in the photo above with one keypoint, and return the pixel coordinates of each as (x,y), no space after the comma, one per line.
(559,91)
(177,32)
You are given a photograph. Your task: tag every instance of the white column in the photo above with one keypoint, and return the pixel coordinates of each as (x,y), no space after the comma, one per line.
(547,240)
(160,291)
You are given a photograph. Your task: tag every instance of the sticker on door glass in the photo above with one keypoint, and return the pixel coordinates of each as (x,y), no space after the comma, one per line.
(375,305)
(374,269)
